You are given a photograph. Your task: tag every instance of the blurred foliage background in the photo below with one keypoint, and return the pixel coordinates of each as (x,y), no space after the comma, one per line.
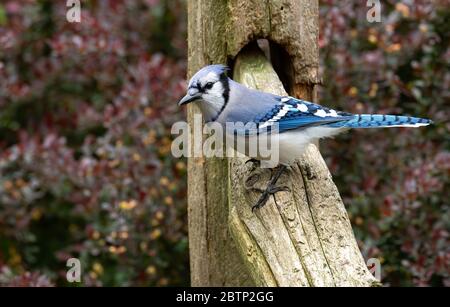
(85,116)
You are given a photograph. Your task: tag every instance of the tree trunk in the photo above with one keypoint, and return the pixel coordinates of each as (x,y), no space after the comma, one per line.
(299,238)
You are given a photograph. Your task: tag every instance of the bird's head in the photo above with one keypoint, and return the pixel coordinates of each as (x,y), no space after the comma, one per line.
(209,86)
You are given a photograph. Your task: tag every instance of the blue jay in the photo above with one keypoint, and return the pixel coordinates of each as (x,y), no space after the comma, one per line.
(299,122)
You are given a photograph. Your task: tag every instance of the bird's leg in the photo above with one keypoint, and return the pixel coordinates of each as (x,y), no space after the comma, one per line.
(271,188)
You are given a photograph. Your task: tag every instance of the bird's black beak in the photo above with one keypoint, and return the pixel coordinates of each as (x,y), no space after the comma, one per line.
(188,99)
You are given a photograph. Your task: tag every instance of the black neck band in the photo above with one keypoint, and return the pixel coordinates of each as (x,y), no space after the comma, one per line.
(226,95)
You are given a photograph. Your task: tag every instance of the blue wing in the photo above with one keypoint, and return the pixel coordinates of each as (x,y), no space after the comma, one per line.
(291,113)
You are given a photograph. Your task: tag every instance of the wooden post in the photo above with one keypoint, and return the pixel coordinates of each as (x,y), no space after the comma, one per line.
(302,237)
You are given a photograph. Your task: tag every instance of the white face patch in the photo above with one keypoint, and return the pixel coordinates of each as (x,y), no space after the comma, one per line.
(212,93)
(320,113)
(302,107)
(214,97)
(285,99)
(216,90)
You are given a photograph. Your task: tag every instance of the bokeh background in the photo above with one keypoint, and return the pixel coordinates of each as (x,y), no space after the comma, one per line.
(85,116)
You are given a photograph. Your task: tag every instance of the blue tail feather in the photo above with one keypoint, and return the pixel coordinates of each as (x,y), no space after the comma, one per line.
(380,121)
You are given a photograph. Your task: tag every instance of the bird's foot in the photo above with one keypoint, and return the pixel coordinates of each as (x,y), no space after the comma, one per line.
(271,188)
(266,194)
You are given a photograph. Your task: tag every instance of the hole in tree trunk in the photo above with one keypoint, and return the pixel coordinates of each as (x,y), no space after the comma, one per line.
(279,58)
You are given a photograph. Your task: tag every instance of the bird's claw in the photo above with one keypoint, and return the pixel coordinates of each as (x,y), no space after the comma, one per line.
(273,190)
(266,193)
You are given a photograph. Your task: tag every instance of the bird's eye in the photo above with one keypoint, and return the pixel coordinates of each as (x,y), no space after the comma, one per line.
(209,85)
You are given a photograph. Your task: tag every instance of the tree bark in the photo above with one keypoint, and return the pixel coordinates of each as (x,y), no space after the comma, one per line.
(299,238)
